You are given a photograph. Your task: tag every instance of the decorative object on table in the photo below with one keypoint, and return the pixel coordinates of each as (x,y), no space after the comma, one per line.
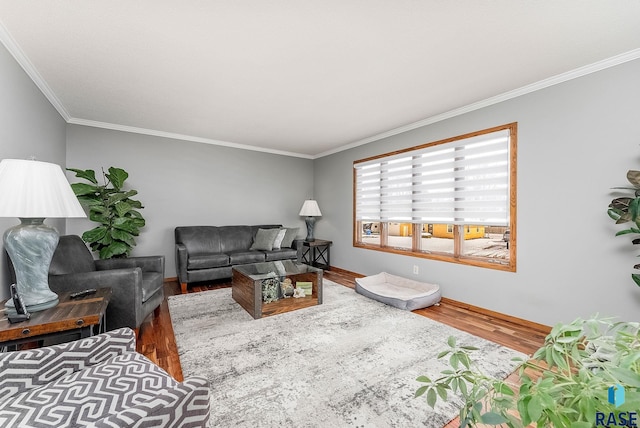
(625,209)
(310,210)
(112,207)
(287,288)
(32,191)
(298,292)
(306,286)
(271,290)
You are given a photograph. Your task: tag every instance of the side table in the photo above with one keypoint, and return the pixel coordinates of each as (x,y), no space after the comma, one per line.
(316,253)
(84,316)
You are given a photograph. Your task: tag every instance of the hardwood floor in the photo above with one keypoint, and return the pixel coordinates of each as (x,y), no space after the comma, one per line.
(156,339)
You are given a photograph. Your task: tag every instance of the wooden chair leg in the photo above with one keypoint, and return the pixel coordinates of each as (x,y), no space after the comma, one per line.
(156,312)
(183,286)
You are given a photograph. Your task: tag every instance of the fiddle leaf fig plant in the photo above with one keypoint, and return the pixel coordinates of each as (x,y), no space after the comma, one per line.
(113,208)
(626,209)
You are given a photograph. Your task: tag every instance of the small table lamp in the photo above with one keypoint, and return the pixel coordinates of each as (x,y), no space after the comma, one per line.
(31,191)
(310,210)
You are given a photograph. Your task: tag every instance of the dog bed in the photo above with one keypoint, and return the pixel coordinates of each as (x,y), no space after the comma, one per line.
(400,292)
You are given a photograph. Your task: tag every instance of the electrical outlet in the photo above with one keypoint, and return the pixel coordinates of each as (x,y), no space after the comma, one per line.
(415,269)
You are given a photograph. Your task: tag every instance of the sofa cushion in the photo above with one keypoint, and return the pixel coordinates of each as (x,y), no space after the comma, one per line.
(206,261)
(289,236)
(281,254)
(235,238)
(86,396)
(199,239)
(264,239)
(244,257)
(277,243)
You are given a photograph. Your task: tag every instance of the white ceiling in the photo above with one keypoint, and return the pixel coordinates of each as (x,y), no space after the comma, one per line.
(302,77)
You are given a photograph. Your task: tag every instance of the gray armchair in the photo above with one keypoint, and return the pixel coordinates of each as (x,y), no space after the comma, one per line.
(136,282)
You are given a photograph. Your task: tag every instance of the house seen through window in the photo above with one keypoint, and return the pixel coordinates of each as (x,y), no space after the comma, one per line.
(452,200)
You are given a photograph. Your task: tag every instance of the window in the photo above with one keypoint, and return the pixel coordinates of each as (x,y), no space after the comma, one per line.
(451,200)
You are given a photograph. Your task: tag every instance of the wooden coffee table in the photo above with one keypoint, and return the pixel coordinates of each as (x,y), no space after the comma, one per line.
(84,316)
(246,287)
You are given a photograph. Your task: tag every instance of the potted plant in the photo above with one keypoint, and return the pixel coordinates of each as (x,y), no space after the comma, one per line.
(627,209)
(112,207)
(567,383)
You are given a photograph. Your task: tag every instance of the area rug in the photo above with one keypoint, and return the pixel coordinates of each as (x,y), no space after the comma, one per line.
(350,362)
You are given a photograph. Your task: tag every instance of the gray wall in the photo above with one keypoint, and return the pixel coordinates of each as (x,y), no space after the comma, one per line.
(183,183)
(29,127)
(576,140)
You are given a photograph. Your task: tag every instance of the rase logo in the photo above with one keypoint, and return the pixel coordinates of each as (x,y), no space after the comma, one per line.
(616,395)
(623,419)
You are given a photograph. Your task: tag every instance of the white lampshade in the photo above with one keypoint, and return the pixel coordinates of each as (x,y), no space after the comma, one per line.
(310,208)
(33,189)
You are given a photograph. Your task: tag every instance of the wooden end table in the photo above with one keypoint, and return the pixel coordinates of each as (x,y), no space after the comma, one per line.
(316,253)
(85,316)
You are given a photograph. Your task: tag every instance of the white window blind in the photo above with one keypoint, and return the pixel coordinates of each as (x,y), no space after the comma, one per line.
(460,182)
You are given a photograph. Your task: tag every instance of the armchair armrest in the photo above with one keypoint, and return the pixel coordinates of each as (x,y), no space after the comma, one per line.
(182,258)
(146,263)
(126,291)
(24,370)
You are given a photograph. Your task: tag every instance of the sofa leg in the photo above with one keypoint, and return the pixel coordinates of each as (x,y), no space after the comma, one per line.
(183,286)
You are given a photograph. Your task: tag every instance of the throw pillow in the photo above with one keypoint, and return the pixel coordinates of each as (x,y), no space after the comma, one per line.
(279,237)
(289,236)
(264,239)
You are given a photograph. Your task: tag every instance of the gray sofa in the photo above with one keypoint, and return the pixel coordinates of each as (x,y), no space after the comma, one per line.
(100,381)
(206,253)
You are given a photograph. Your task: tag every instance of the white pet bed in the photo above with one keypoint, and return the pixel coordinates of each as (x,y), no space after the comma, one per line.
(400,292)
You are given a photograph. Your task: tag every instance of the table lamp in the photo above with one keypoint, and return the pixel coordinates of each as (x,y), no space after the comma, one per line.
(310,210)
(33,190)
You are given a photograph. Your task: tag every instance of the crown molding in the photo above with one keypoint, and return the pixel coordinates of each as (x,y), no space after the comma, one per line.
(554,80)
(174,136)
(13,48)
(7,40)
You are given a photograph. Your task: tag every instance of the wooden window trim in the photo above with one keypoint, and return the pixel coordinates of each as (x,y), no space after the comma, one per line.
(455,258)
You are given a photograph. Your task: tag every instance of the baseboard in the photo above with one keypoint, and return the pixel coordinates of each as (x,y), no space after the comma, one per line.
(520,321)
(173,278)
(487,312)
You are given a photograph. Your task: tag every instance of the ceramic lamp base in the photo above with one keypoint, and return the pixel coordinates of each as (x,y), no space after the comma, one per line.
(30,246)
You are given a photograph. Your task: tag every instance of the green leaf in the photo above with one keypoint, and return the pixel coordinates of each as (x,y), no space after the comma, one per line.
(122,208)
(117,177)
(423,379)
(451,341)
(420,391)
(89,174)
(94,234)
(581,424)
(534,408)
(82,189)
(493,418)
(443,354)
(431,398)
(636,278)
(626,377)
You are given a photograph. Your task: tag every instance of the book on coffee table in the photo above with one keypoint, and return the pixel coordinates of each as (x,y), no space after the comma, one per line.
(306,286)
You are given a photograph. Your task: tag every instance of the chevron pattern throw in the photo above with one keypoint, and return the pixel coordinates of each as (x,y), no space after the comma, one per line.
(98,381)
